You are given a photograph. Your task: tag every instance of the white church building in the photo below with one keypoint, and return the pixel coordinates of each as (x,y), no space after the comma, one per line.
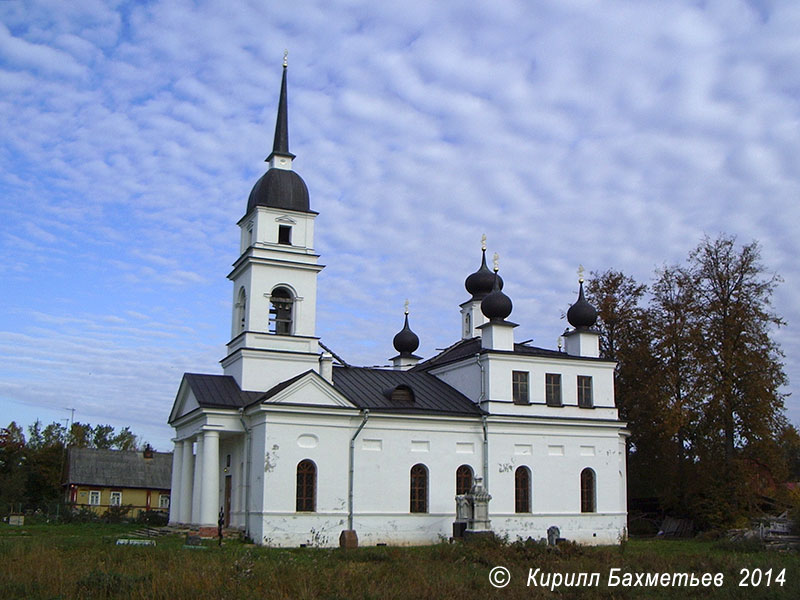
(293,446)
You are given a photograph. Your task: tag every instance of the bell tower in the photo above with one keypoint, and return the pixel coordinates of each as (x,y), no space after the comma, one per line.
(273,328)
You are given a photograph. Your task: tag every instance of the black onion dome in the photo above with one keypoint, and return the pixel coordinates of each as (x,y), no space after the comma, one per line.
(406,341)
(582,315)
(279,188)
(496,306)
(481,282)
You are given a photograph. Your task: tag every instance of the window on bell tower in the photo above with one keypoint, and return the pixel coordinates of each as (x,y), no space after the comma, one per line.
(280,312)
(285,234)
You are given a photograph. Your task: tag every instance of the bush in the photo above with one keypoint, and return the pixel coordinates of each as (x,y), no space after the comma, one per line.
(156,518)
(116,514)
(83,514)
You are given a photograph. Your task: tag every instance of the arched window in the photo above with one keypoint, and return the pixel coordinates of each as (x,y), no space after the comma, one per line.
(588,493)
(419,489)
(463,479)
(241,311)
(280,311)
(522,490)
(306,486)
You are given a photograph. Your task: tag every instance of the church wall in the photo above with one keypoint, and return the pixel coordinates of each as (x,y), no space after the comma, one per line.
(465,376)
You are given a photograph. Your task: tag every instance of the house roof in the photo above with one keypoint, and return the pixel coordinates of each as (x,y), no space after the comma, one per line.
(118,468)
(372,388)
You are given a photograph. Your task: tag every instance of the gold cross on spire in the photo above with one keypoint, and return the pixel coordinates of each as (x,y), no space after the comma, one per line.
(580,273)
(285,58)
(483,242)
(496,260)
(406,306)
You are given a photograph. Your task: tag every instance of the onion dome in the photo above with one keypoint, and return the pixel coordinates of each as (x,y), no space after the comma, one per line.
(280,187)
(582,315)
(481,282)
(406,341)
(496,306)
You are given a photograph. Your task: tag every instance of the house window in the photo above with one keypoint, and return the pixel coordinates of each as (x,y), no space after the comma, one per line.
(552,389)
(587,491)
(94,498)
(280,312)
(419,489)
(306,486)
(163,501)
(116,499)
(285,234)
(522,490)
(519,387)
(584,391)
(463,479)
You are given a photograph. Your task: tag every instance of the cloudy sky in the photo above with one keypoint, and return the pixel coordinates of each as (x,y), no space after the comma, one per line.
(609,133)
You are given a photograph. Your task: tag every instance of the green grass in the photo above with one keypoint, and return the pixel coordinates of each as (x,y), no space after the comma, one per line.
(83,561)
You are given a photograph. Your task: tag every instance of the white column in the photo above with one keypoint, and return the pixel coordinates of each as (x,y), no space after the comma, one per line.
(209,489)
(198,479)
(175,483)
(187,480)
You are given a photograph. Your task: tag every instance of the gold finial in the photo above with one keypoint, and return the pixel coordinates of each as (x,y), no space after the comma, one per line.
(483,242)
(406,308)
(580,273)
(285,58)
(496,260)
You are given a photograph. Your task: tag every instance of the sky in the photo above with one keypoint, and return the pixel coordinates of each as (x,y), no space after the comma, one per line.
(612,134)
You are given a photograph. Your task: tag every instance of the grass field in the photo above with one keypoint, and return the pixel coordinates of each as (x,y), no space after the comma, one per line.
(83,561)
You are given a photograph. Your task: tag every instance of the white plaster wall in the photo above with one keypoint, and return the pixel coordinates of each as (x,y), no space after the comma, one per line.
(388,447)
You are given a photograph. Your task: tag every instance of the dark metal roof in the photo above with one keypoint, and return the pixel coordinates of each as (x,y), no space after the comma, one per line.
(117,468)
(472,346)
(364,387)
(371,388)
(280,188)
(218,391)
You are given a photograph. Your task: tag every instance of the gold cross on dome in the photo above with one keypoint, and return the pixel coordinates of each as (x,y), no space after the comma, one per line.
(483,242)
(406,306)
(496,260)
(580,273)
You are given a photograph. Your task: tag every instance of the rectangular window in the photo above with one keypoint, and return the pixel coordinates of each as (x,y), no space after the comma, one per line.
(552,389)
(285,234)
(163,501)
(519,387)
(116,499)
(584,391)
(94,498)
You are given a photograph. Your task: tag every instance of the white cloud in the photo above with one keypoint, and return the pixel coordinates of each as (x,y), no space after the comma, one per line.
(611,134)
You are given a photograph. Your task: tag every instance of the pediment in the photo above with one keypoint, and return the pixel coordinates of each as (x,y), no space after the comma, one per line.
(309,389)
(185,402)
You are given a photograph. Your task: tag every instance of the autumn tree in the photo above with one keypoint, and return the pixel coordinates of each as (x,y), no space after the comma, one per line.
(699,380)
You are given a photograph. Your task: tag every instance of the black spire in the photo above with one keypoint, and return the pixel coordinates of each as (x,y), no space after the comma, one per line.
(280,187)
(281,143)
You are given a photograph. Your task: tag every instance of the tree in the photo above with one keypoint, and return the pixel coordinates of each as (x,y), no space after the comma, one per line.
(12,465)
(125,440)
(103,437)
(699,381)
